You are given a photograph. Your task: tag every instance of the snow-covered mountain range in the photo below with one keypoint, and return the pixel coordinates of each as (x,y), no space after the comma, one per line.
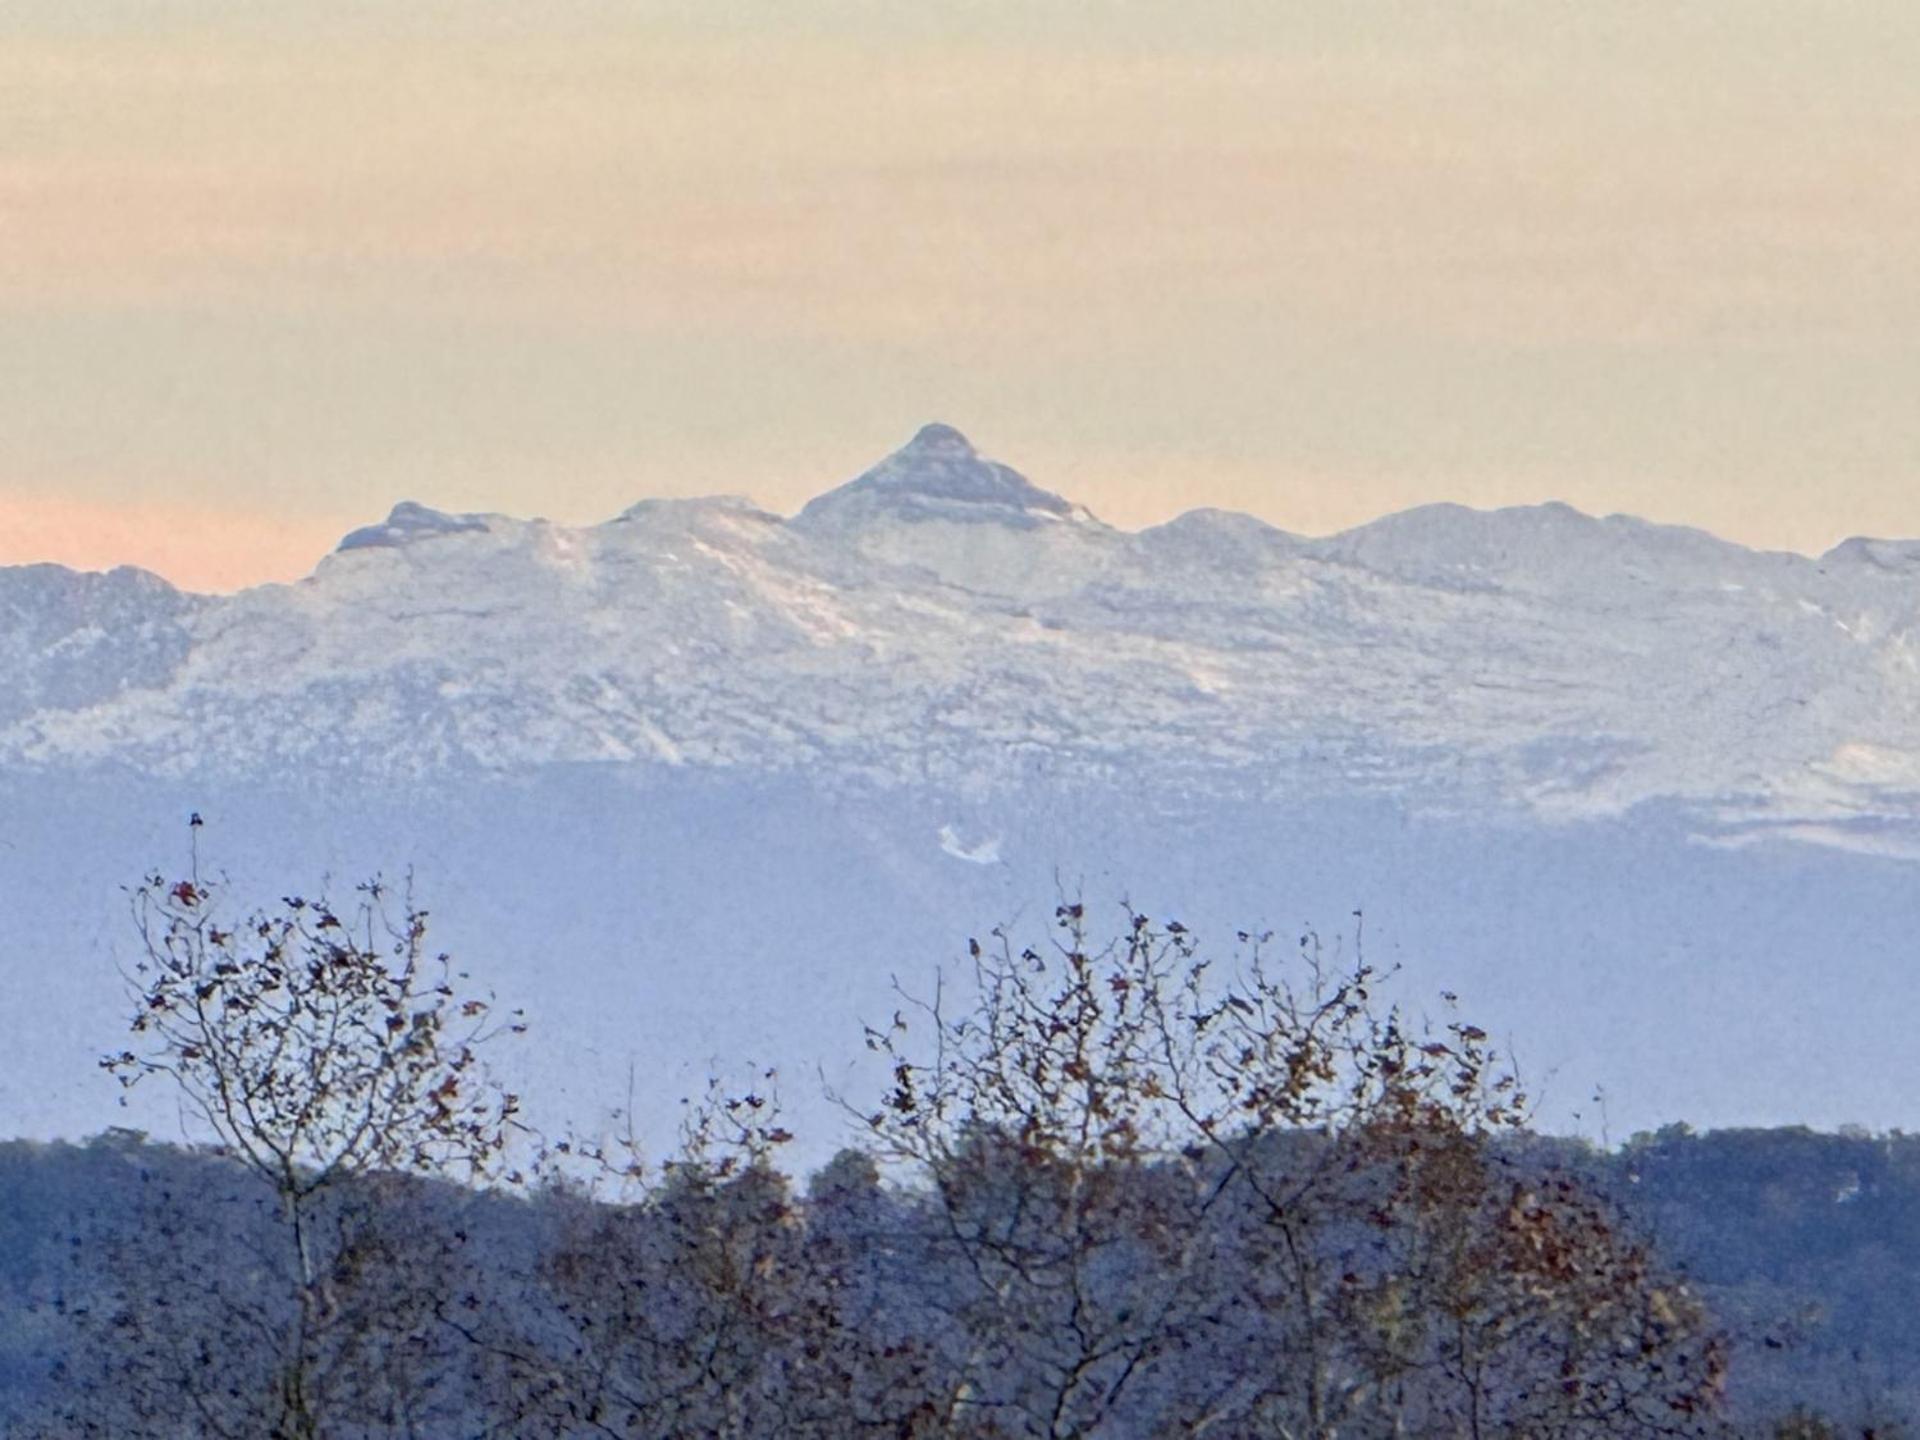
(942,619)
(697,783)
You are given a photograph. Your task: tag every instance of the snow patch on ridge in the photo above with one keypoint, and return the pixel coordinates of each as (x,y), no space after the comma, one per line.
(984,852)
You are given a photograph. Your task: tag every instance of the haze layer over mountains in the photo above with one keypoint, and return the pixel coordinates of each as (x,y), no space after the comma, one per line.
(692,784)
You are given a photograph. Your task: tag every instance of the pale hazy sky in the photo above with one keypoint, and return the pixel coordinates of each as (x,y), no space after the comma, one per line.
(267,266)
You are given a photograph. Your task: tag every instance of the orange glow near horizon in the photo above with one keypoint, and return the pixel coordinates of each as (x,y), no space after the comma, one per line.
(194,547)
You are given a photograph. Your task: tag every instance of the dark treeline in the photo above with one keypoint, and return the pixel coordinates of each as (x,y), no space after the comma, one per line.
(1805,1248)
(1106,1186)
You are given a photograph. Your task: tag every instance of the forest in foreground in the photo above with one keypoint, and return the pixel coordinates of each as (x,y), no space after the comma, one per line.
(1115,1186)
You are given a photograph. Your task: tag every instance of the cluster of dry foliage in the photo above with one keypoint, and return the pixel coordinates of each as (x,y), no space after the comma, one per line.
(1110,1190)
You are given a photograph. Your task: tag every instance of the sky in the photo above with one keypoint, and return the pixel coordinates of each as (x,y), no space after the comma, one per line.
(269,266)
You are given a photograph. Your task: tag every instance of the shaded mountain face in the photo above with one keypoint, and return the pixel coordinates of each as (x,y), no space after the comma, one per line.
(410,522)
(942,618)
(937,475)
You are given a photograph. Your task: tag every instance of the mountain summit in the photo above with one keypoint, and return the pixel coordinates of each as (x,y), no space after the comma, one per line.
(410,522)
(938,475)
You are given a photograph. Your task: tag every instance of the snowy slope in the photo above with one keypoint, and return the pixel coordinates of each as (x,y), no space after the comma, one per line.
(941,618)
(69,641)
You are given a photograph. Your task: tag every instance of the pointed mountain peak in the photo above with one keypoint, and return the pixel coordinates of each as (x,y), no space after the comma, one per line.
(938,439)
(938,475)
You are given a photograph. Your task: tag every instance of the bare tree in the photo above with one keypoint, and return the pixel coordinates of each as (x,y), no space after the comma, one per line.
(1174,1201)
(330,1054)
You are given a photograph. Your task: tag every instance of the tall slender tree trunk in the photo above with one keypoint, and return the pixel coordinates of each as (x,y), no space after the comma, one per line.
(297,1418)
